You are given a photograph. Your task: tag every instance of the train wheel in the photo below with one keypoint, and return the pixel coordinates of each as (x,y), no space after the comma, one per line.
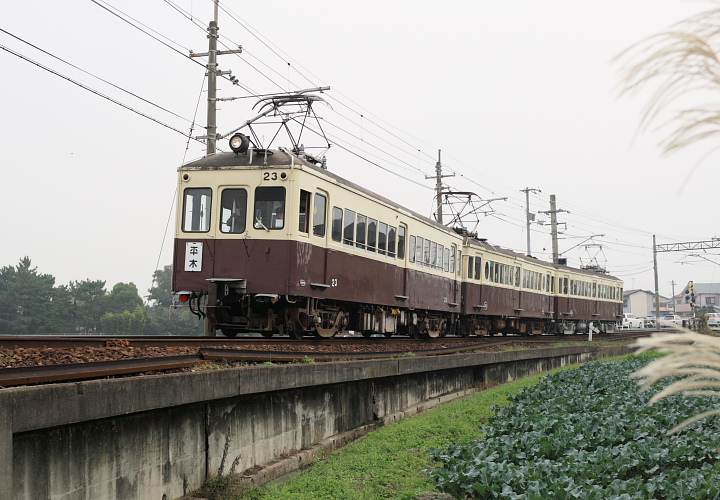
(296,334)
(229,332)
(388,334)
(367,333)
(414,331)
(267,333)
(325,333)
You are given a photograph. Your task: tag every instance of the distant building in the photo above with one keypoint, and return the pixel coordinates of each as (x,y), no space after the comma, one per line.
(641,303)
(706,294)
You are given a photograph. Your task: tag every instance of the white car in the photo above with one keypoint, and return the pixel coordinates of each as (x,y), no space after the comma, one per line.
(631,321)
(671,318)
(713,320)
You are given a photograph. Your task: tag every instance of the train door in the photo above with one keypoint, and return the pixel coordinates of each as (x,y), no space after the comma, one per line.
(562,299)
(319,267)
(514,282)
(451,268)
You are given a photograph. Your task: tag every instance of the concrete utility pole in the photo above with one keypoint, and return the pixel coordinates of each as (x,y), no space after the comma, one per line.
(212,74)
(528,216)
(657,288)
(673,297)
(553,227)
(438,187)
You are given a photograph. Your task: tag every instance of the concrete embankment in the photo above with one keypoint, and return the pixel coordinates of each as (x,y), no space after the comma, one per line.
(157,437)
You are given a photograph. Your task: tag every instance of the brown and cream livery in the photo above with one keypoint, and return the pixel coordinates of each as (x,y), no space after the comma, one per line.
(267,241)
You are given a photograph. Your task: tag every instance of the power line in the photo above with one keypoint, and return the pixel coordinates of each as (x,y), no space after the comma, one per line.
(94,76)
(85,87)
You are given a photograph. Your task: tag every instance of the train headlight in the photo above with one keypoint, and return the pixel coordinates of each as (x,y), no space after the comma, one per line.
(239,143)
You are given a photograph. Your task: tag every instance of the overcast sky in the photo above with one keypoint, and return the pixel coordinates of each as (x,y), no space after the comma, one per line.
(516,94)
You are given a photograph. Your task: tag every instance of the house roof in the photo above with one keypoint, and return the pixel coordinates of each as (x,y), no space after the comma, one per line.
(627,293)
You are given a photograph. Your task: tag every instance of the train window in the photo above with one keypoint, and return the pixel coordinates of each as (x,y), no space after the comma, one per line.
(544,283)
(418,251)
(401,243)
(552,284)
(361,231)
(471,266)
(452,259)
(372,235)
(269,208)
(426,253)
(412,248)
(565,285)
(441,257)
(517,277)
(233,211)
(196,212)
(382,238)
(303,221)
(478,268)
(497,273)
(487,270)
(349,227)
(447,260)
(459,262)
(434,255)
(491,278)
(319,215)
(594,290)
(392,239)
(336,229)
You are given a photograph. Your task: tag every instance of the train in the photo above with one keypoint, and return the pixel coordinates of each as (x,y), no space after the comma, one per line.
(271,241)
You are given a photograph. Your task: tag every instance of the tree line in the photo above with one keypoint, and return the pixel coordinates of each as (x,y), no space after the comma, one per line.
(31,303)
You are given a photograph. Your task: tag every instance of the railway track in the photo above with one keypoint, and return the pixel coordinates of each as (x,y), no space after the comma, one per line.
(231,350)
(101,341)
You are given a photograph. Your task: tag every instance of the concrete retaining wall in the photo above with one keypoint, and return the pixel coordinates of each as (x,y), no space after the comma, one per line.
(157,437)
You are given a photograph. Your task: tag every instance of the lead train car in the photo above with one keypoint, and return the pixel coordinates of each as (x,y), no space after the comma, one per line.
(268,242)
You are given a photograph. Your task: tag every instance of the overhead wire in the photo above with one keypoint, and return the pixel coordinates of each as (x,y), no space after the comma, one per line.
(85,87)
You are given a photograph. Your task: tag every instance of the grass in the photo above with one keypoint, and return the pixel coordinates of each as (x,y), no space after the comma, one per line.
(390,463)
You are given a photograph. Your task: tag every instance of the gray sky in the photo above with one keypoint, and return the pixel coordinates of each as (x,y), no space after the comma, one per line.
(519,93)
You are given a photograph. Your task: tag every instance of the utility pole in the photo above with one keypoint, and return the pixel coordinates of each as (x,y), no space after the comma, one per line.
(438,187)
(553,227)
(528,216)
(212,74)
(673,297)
(657,288)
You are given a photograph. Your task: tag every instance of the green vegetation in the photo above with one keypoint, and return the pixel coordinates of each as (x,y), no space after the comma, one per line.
(391,462)
(587,434)
(31,303)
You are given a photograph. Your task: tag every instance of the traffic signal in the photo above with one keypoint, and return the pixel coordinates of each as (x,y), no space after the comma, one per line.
(692,293)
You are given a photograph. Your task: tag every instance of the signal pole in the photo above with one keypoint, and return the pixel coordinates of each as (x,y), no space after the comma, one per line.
(528,216)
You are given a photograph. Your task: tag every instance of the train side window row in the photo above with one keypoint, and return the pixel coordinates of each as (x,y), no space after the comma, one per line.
(427,253)
(359,231)
(534,280)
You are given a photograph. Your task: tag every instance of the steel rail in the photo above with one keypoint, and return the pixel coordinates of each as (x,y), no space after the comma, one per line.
(289,357)
(42,341)
(27,375)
